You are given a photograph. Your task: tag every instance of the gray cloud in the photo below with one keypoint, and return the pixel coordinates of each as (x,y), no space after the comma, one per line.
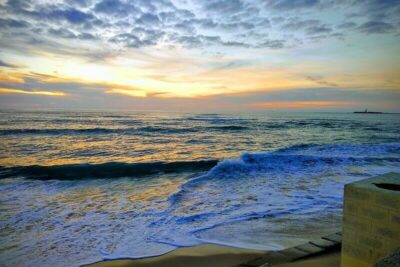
(115,7)
(318,30)
(295,24)
(320,80)
(274,44)
(63,33)
(224,6)
(371,27)
(148,19)
(292,4)
(12,23)
(273,24)
(7,65)
(347,25)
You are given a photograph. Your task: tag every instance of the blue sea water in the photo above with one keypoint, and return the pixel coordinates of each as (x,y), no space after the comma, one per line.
(79,187)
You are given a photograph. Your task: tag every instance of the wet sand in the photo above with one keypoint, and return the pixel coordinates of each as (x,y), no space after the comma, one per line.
(331,259)
(199,256)
(217,256)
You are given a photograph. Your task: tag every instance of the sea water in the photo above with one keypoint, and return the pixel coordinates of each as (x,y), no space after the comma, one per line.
(79,187)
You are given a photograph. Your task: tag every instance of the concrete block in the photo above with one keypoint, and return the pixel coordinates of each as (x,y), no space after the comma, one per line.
(334,238)
(294,253)
(323,243)
(396,219)
(310,248)
(371,220)
(270,258)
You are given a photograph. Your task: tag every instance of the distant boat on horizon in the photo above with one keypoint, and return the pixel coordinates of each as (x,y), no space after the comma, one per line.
(368,112)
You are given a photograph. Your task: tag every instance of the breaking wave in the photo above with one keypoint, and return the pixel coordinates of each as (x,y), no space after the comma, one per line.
(105,170)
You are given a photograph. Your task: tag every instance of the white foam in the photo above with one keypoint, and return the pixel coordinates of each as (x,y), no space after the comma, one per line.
(57,223)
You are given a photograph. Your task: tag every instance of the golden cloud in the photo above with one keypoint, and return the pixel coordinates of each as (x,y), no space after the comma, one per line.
(7,91)
(302,104)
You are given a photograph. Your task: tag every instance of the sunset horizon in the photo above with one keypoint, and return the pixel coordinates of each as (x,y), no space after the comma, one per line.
(193,133)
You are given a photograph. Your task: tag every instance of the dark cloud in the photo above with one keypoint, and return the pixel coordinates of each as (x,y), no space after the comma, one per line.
(18,6)
(292,4)
(148,20)
(347,25)
(134,41)
(224,6)
(71,15)
(320,80)
(7,65)
(80,3)
(234,64)
(274,24)
(318,30)
(274,44)
(63,33)
(35,80)
(371,27)
(86,36)
(378,9)
(176,16)
(295,24)
(12,23)
(115,7)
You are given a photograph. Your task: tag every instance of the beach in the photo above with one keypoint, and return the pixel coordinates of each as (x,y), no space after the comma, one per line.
(203,255)
(219,256)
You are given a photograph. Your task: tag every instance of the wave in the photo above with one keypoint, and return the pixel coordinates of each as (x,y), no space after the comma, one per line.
(298,158)
(228,128)
(217,119)
(305,159)
(146,129)
(59,131)
(104,170)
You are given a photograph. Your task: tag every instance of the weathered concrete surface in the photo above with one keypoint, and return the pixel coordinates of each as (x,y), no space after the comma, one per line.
(371,220)
(322,245)
(390,261)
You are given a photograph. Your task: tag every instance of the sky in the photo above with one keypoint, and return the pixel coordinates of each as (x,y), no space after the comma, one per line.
(331,55)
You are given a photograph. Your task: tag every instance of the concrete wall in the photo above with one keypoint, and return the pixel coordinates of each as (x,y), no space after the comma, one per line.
(371,221)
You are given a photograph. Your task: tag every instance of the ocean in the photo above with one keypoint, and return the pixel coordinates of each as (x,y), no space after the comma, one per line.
(80,187)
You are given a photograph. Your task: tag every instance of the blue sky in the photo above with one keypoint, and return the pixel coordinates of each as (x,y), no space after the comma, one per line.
(200,55)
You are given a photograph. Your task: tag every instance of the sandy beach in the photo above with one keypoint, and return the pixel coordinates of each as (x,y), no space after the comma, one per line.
(217,256)
(204,255)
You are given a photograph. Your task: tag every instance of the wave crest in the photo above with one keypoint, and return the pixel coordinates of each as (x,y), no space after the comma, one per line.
(105,170)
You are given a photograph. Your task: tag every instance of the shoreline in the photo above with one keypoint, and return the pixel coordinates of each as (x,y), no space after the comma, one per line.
(324,251)
(209,255)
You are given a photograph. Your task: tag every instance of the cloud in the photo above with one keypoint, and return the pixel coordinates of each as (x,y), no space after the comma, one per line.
(292,4)
(295,24)
(63,33)
(115,7)
(224,6)
(273,44)
(71,15)
(148,20)
(13,23)
(25,92)
(127,92)
(378,9)
(319,80)
(372,27)
(301,104)
(195,45)
(7,65)
(318,30)
(347,25)
(132,40)
(238,24)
